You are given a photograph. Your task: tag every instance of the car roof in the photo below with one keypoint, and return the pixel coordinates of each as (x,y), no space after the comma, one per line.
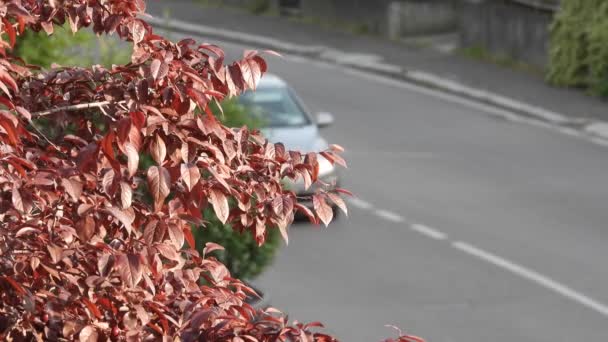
(271,81)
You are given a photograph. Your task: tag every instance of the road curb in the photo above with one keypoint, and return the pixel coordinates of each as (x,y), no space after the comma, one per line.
(593,128)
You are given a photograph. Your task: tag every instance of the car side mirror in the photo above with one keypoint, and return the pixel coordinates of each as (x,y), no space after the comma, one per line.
(324,119)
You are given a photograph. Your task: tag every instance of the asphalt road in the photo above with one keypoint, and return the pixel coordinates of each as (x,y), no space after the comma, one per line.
(466,228)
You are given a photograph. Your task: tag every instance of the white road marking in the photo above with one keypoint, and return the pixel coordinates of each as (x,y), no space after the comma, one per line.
(389,216)
(359,203)
(429,232)
(533,276)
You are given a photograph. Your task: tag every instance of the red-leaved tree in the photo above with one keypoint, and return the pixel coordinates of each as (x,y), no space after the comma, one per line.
(94,245)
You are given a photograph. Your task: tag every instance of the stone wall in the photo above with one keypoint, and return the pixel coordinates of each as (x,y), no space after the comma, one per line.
(515,29)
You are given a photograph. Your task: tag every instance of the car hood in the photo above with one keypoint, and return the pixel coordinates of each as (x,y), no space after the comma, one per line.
(303,139)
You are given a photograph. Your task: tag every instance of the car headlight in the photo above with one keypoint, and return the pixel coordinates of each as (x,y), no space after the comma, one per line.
(325,167)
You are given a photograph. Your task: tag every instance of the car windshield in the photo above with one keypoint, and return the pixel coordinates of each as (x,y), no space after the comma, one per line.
(275,107)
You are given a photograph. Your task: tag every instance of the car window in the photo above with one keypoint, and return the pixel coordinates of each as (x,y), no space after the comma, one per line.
(275,107)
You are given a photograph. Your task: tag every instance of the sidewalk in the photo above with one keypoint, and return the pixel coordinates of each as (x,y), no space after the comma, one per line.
(517,91)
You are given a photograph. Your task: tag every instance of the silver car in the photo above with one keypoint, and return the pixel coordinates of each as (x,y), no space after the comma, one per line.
(286,119)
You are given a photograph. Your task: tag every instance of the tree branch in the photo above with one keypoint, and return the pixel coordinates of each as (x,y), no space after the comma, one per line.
(75,108)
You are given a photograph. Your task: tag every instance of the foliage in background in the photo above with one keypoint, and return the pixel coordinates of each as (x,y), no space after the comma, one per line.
(578,55)
(63,47)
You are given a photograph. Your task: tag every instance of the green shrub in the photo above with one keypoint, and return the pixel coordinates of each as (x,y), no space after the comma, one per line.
(65,48)
(578,56)
(598,50)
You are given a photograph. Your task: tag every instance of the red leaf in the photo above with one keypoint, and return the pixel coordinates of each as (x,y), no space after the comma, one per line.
(85,228)
(189,237)
(26,230)
(138,31)
(344,191)
(190,175)
(311,216)
(7,79)
(219,178)
(154,231)
(72,187)
(323,210)
(210,247)
(17,200)
(132,159)
(105,264)
(235,76)
(338,201)
(92,308)
(159,182)
(112,22)
(215,49)
(109,182)
(130,269)
(251,72)
(15,285)
(284,234)
(88,334)
(168,251)
(8,103)
(138,119)
(87,157)
(21,21)
(126,195)
(121,216)
(158,69)
(10,30)
(9,129)
(220,204)
(158,150)
(262,63)
(176,234)
(334,158)
(107,147)
(55,252)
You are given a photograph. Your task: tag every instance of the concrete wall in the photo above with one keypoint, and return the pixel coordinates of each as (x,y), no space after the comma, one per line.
(507,28)
(421,17)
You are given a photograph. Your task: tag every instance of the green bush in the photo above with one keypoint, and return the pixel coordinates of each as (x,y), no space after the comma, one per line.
(578,56)
(65,48)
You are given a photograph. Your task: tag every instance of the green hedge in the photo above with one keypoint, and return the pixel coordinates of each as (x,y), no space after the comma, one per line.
(65,48)
(578,56)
